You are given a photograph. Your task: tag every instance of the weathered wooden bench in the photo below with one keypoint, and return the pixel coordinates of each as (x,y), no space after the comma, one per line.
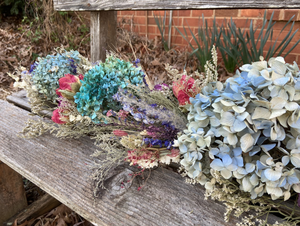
(62,167)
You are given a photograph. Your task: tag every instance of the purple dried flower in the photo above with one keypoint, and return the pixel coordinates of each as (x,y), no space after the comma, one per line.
(136,62)
(160,87)
(156,142)
(32,67)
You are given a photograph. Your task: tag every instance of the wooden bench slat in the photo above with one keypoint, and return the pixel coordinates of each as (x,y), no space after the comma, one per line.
(62,169)
(97,5)
(12,193)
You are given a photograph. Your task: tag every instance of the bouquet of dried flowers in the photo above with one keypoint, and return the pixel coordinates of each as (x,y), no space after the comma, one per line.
(240,139)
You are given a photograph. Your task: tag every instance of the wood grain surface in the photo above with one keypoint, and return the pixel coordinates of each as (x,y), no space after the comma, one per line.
(103,34)
(62,168)
(95,5)
(39,207)
(12,193)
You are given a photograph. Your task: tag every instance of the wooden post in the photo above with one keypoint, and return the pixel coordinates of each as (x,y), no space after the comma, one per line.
(12,193)
(103,33)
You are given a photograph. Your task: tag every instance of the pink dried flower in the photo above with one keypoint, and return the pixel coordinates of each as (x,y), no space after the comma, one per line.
(152,134)
(69,85)
(123,114)
(119,133)
(80,77)
(183,89)
(174,152)
(109,113)
(59,116)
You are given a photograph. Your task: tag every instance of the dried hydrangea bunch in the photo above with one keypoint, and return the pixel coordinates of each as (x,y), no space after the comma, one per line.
(247,130)
(102,82)
(47,71)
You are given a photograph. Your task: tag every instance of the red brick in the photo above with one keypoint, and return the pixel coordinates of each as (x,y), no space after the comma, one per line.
(298,60)
(205,12)
(152,36)
(256,34)
(126,26)
(136,29)
(290,58)
(122,12)
(266,47)
(192,22)
(175,32)
(242,23)
(177,21)
(128,12)
(151,21)
(288,13)
(177,40)
(160,12)
(152,30)
(252,13)
(296,50)
(182,13)
(258,24)
(281,36)
(276,15)
(280,24)
(139,20)
(226,12)
(219,22)
(142,29)
(140,13)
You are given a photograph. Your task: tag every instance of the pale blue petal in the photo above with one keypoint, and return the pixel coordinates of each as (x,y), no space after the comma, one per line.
(267,147)
(232,167)
(293,179)
(237,151)
(182,148)
(295,161)
(272,175)
(240,161)
(285,160)
(238,125)
(226,173)
(227,160)
(250,167)
(217,164)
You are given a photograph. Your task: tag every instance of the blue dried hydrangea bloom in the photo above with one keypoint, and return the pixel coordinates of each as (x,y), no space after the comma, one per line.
(247,130)
(102,82)
(49,70)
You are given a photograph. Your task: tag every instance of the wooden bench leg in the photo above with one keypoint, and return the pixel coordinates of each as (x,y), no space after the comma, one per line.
(12,193)
(103,33)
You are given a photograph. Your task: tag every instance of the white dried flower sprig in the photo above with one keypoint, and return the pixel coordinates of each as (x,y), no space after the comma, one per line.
(211,68)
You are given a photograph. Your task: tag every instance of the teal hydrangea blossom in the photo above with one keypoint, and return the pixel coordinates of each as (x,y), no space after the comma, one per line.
(50,69)
(103,81)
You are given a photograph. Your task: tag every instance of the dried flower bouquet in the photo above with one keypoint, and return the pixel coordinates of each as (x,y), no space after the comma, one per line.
(240,139)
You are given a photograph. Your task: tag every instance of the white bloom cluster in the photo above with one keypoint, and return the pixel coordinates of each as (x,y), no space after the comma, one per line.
(248,129)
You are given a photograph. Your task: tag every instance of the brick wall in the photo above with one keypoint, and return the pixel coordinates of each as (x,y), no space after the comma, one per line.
(143,23)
